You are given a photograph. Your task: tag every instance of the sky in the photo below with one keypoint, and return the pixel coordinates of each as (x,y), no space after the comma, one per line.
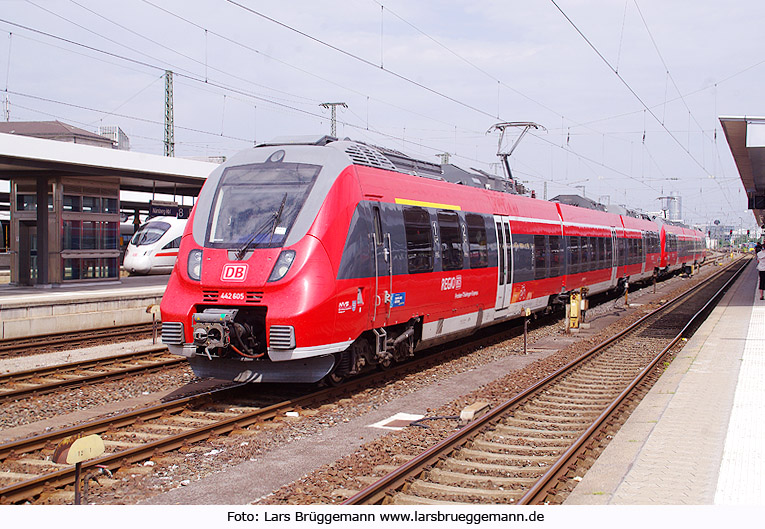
(627,93)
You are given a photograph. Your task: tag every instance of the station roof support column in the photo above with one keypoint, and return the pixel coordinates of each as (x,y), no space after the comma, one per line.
(42,231)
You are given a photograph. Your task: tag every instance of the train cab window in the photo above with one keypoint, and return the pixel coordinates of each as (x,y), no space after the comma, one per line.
(556,252)
(451,240)
(175,243)
(149,233)
(479,247)
(419,240)
(257,204)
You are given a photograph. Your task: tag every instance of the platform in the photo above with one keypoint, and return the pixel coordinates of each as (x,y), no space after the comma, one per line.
(30,311)
(697,437)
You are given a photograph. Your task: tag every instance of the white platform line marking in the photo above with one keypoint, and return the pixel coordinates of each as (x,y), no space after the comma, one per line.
(742,470)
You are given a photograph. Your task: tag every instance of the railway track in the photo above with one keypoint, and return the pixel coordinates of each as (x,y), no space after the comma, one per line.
(24,384)
(57,341)
(526,450)
(27,473)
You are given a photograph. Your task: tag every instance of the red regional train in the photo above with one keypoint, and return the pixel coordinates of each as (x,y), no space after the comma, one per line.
(322,259)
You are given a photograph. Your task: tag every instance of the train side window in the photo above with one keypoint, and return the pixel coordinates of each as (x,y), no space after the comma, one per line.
(479,248)
(451,240)
(175,243)
(619,251)
(555,256)
(419,241)
(378,226)
(609,252)
(509,252)
(573,252)
(602,262)
(540,257)
(501,251)
(584,254)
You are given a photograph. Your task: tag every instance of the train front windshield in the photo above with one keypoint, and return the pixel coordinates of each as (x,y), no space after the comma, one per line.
(149,233)
(257,204)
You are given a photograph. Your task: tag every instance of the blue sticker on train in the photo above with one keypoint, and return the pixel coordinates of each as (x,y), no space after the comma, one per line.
(398,299)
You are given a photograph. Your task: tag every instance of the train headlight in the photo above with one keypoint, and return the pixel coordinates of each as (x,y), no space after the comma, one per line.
(282,265)
(194,265)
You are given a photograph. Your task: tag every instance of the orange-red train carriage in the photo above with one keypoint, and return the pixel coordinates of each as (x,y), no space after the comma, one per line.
(312,260)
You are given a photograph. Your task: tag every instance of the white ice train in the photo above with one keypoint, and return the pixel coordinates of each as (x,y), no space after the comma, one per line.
(154,247)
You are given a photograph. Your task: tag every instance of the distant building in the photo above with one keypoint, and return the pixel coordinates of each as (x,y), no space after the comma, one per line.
(675,206)
(55,130)
(114,133)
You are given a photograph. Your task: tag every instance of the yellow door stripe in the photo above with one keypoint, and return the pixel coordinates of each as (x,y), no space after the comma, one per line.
(407,202)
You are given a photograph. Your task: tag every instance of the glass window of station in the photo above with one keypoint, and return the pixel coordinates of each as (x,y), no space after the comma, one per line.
(89,236)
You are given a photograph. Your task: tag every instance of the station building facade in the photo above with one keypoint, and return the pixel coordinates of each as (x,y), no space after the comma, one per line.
(75,235)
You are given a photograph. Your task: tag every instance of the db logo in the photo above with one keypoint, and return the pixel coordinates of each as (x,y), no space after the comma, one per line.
(234,272)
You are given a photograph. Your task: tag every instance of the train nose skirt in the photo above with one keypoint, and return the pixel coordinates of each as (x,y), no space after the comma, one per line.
(307,371)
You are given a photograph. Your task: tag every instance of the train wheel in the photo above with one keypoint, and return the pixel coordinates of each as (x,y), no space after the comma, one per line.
(334,379)
(340,372)
(384,365)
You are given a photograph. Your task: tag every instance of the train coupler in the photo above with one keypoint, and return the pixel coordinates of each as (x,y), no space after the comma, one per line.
(212,328)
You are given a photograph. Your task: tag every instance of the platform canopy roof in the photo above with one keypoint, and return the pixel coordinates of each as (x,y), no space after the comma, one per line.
(746,139)
(29,156)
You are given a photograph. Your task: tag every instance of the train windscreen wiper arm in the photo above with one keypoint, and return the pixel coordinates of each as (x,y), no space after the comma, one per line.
(273,221)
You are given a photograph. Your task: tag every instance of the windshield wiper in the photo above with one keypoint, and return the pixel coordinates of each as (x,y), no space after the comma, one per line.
(278,218)
(273,218)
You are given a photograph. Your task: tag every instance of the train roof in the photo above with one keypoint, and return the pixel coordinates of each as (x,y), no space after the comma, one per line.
(392,160)
(384,158)
(581,202)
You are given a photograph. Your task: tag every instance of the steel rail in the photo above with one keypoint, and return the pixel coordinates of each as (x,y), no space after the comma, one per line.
(396,478)
(35,486)
(76,381)
(535,494)
(9,346)
(30,488)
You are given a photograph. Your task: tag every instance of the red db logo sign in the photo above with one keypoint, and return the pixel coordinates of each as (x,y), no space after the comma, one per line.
(234,272)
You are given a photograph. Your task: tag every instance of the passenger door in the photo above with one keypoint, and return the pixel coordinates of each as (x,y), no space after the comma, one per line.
(614,256)
(383,266)
(505,262)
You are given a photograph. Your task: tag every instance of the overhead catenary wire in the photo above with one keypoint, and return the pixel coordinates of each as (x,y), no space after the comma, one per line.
(635,94)
(393,136)
(290,64)
(363,60)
